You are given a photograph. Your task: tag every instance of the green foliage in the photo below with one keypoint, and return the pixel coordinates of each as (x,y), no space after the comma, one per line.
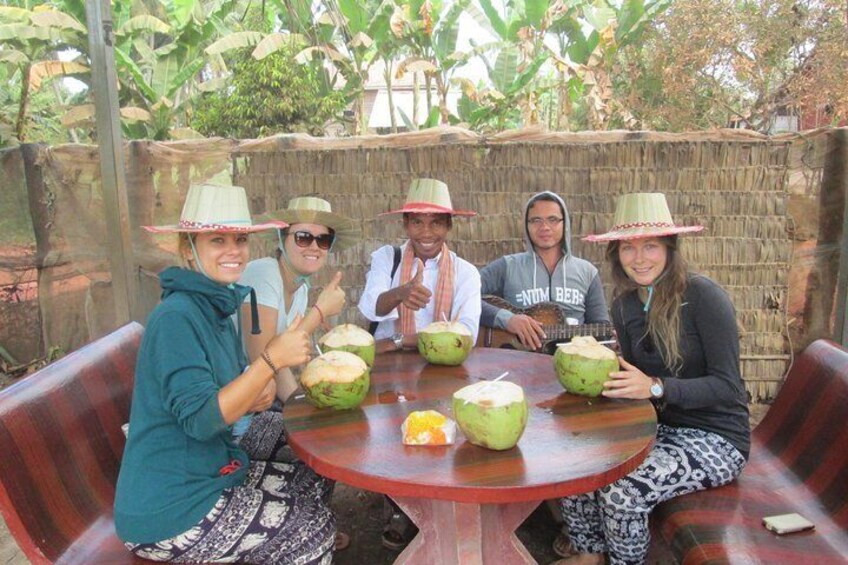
(274,95)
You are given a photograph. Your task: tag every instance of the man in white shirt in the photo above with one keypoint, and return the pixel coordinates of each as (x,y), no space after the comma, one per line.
(410,286)
(426,282)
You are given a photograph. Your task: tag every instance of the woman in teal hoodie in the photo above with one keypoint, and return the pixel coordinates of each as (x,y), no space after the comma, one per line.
(186,491)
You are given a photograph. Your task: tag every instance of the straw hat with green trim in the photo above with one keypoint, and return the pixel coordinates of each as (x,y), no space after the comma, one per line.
(314,210)
(216,208)
(640,215)
(429,196)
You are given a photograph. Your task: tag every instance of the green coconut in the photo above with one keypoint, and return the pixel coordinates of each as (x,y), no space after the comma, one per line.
(445,343)
(336,379)
(352,338)
(583,365)
(491,414)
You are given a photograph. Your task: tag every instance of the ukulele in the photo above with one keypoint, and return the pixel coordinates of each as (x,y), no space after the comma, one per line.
(551,316)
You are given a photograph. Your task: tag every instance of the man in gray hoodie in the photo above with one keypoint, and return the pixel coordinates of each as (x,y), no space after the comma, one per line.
(546,272)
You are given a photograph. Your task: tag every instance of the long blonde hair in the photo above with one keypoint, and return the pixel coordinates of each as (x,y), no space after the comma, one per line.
(184,251)
(664,325)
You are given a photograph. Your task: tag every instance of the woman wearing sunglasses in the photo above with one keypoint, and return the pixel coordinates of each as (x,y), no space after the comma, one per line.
(282,285)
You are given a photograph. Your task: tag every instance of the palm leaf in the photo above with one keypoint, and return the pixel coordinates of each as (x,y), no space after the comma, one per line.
(146,23)
(492,20)
(143,48)
(599,16)
(235,40)
(361,40)
(356,15)
(414,65)
(54,18)
(184,76)
(535,11)
(78,115)
(527,75)
(505,69)
(185,133)
(448,30)
(273,42)
(43,70)
(21,32)
(135,114)
(164,70)
(14,14)
(410,125)
(140,82)
(14,57)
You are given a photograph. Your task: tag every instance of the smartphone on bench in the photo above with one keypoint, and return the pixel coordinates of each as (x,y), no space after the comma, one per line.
(787,523)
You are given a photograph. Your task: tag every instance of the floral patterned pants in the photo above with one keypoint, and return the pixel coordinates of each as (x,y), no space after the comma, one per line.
(279,515)
(614,519)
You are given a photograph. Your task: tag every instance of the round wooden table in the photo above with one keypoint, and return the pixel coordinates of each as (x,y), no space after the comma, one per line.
(466,500)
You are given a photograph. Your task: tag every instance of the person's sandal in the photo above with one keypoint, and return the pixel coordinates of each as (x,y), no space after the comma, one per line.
(398,532)
(341,542)
(562,545)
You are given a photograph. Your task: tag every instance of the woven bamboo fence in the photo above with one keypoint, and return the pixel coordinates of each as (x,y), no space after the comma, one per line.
(734,183)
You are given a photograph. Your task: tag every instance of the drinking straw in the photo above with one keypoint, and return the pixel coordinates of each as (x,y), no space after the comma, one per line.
(482,388)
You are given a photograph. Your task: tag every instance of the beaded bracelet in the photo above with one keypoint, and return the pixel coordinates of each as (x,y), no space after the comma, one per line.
(267,360)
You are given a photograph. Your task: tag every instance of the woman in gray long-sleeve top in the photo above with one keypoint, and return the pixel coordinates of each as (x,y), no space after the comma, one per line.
(680,348)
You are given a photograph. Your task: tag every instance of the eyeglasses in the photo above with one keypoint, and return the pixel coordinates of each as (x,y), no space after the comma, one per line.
(551,221)
(305,239)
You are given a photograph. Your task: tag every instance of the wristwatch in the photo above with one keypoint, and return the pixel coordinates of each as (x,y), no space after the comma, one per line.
(397,339)
(657,388)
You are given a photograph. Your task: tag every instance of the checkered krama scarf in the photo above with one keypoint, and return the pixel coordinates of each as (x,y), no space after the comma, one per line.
(443,294)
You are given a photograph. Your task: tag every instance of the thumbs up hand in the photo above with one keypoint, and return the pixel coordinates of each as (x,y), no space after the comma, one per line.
(291,347)
(415,294)
(332,297)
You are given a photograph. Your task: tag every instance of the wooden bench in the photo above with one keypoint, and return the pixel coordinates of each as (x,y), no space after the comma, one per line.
(798,463)
(60,451)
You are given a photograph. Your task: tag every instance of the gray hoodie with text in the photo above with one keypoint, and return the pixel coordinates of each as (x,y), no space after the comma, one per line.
(523,280)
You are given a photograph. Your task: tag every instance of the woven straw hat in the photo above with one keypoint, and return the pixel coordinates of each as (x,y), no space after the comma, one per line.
(215,208)
(313,210)
(429,196)
(640,215)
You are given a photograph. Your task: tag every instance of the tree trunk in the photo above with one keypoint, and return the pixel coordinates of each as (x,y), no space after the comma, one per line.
(821,282)
(416,95)
(387,75)
(443,100)
(428,83)
(42,220)
(20,125)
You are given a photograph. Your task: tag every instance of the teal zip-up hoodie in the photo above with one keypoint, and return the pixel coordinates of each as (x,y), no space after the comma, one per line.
(178,441)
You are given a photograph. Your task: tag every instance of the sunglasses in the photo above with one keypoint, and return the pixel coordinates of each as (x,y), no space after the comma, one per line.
(305,239)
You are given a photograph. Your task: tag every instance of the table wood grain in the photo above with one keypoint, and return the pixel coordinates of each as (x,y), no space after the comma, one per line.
(467,501)
(571,444)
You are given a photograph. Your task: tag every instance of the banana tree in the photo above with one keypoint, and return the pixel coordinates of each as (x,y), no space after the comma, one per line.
(429,34)
(516,84)
(161,57)
(589,38)
(31,40)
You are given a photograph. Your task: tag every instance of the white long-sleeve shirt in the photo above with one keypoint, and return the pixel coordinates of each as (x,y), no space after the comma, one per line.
(466,292)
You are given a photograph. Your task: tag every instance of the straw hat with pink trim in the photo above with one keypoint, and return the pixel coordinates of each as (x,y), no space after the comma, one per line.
(429,196)
(216,208)
(640,215)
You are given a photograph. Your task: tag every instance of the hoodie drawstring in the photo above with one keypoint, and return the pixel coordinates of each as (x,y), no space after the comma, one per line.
(254,314)
(650,288)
